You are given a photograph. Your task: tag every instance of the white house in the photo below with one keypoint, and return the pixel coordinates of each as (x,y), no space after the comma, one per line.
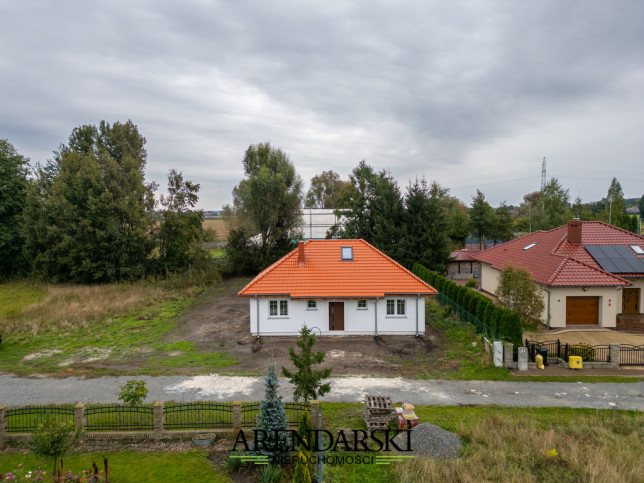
(339,287)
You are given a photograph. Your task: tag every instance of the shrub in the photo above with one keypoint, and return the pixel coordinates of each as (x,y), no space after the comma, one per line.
(471,283)
(133,392)
(586,352)
(270,474)
(54,440)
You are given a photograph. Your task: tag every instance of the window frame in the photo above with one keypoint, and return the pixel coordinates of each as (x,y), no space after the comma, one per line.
(362,307)
(396,307)
(312,305)
(277,308)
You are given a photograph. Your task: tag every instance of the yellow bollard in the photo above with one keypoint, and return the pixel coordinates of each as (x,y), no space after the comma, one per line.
(539,361)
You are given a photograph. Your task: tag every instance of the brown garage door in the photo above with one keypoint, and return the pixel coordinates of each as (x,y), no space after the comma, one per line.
(582,310)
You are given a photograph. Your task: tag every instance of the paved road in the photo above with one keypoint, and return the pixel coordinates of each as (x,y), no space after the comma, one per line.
(15,391)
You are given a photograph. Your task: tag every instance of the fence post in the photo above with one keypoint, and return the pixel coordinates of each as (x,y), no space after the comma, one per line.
(523,358)
(558,349)
(566,352)
(508,353)
(237,416)
(80,421)
(613,354)
(158,420)
(3,425)
(315,411)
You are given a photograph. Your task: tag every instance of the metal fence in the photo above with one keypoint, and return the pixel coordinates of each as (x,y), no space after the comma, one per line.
(197,415)
(466,316)
(294,411)
(631,355)
(117,417)
(28,419)
(558,350)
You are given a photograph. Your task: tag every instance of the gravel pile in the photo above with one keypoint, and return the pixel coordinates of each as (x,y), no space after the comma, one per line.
(431,441)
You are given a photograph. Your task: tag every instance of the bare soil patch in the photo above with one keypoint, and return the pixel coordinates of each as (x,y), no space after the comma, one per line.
(221,322)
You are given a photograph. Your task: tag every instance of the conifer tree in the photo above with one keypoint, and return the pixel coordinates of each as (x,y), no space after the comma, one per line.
(271,418)
(305,430)
(307,382)
(301,474)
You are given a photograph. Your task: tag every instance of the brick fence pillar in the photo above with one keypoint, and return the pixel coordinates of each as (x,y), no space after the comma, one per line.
(80,421)
(158,420)
(508,349)
(523,358)
(237,416)
(614,354)
(3,424)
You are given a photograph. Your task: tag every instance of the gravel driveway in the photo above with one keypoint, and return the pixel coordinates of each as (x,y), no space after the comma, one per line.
(15,391)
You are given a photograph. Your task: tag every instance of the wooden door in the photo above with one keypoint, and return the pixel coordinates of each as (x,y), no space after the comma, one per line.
(336,315)
(582,310)
(631,301)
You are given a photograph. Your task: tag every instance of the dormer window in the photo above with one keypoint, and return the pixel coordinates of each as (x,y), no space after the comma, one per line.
(346,253)
(530,246)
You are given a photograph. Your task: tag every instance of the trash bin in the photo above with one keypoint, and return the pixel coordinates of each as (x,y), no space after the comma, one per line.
(543,353)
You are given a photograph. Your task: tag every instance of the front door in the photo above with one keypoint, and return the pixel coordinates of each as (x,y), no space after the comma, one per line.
(336,315)
(631,301)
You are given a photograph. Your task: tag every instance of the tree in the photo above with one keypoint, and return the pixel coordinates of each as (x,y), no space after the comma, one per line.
(481,217)
(273,421)
(327,191)
(641,207)
(267,204)
(458,224)
(13,193)
(133,392)
(307,382)
(180,231)
(518,292)
(425,227)
(615,205)
(54,440)
(501,227)
(555,205)
(88,212)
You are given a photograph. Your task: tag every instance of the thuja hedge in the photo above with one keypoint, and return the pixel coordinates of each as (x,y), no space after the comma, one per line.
(496,322)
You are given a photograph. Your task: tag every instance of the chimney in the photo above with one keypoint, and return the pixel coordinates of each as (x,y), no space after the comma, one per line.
(574,231)
(300,254)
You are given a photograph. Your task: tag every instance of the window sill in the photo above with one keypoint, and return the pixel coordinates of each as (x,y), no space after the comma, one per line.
(311,310)
(395,316)
(278,317)
(363,308)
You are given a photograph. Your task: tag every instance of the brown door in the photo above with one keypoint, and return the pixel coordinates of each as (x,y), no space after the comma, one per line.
(582,310)
(336,315)
(631,301)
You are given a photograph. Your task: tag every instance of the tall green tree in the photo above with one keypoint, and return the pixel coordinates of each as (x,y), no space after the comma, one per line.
(555,207)
(327,191)
(458,224)
(502,224)
(267,202)
(180,231)
(481,217)
(307,381)
(640,206)
(615,205)
(273,421)
(518,292)
(13,194)
(88,215)
(425,227)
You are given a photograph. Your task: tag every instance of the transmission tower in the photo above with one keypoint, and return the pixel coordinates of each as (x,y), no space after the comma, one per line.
(543,174)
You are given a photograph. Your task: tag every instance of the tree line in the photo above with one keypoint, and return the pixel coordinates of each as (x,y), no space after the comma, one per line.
(88,216)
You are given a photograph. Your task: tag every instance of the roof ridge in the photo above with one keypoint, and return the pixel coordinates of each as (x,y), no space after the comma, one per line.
(613,227)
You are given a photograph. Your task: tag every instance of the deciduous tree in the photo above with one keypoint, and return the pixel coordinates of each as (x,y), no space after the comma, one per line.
(615,205)
(327,191)
(518,292)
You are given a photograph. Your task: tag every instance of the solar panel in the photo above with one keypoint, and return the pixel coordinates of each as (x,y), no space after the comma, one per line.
(616,258)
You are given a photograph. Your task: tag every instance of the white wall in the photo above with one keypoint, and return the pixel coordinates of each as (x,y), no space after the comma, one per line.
(608,302)
(356,321)
(489,278)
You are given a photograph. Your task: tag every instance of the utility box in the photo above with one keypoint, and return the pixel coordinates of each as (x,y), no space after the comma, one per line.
(574,362)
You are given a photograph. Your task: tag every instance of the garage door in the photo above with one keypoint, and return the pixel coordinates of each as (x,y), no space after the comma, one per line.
(582,310)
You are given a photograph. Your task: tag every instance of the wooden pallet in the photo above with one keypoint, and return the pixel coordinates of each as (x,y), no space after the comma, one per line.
(378,404)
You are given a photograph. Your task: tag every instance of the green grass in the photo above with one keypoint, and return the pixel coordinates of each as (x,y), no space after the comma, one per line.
(217,253)
(14,297)
(127,466)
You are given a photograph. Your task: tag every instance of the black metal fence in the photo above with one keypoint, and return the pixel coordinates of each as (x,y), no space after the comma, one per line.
(197,415)
(558,350)
(465,316)
(117,417)
(294,411)
(631,355)
(28,419)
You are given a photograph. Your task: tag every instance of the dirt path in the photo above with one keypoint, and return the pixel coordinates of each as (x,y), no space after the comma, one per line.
(589,337)
(221,322)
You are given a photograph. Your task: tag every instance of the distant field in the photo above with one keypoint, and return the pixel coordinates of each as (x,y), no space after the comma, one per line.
(219,226)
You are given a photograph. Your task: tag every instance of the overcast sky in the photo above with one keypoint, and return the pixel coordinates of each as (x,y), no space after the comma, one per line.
(468,93)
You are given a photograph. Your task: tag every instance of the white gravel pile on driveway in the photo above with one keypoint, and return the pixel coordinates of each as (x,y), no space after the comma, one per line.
(432,441)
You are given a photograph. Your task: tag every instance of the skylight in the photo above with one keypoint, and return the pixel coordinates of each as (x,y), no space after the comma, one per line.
(637,249)
(347,253)
(530,246)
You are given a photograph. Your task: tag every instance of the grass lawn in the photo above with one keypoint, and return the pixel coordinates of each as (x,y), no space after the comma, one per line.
(15,296)
(73,329)
(217,253)
(126,466)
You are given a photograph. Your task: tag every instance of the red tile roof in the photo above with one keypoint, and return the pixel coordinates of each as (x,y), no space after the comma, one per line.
(324,275)
(464,255)
(556,262)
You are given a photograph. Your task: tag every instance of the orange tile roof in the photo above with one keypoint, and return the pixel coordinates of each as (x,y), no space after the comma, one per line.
(370,274)
(556,262)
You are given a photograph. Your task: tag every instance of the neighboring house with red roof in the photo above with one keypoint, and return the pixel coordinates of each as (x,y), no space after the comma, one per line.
(461,265)
(588,272)
(341,287)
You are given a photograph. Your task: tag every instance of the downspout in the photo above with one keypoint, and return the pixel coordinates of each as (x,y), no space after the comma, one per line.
(257,305)
(548,316)
(417,298)
(377,316)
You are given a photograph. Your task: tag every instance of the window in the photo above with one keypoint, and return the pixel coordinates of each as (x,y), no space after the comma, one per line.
(362,304)
(530,246)
(347,253)
(312,305)
(396,307)
(637,249)
(273,305)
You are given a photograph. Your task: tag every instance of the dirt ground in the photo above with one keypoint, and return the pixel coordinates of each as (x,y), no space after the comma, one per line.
(221,322)
(589,337)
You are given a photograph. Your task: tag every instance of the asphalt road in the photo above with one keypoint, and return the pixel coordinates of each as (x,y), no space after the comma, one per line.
(15,391)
